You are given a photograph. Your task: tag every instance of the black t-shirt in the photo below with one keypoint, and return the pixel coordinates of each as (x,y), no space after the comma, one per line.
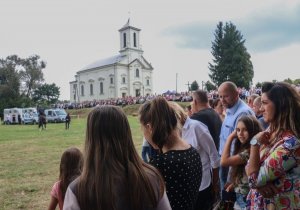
(212,120)
(182,173)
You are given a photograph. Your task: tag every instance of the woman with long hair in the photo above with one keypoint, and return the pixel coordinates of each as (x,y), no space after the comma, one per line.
(274,163)
(247,127)
(69,169)
(114,176)
(178,162)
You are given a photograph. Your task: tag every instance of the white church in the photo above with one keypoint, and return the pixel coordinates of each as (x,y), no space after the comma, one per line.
(125,74)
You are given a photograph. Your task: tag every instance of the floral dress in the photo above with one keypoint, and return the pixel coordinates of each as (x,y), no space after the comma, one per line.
(279,164)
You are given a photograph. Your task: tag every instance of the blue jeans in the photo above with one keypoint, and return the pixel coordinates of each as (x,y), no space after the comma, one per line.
(241,200)
(146,153)
(223,173)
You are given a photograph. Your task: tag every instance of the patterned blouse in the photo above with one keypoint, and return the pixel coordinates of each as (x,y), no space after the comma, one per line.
(243,186)
(279,164)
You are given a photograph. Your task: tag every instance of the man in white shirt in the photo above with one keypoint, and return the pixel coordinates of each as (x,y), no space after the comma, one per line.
(197,134)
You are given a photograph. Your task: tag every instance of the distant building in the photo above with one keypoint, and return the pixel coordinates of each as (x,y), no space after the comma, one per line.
(125,74)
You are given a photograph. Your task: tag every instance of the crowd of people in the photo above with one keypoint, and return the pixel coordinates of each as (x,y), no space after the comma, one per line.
(228,153)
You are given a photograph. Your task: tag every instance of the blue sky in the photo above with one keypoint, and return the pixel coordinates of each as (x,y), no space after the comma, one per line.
(176,36)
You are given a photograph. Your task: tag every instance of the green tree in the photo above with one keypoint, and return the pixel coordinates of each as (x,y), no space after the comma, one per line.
(46,94)
(31,74)
(9,82)
(210,86)
(258,85)
(231,60)
(288,80)
(296,81)
(194,86)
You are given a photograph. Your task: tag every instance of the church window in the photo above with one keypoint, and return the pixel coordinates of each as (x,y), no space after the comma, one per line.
(82,90)
(91,89)
(111,80)
(137,73)
(123,80)
(101,87)
(134,39)
(148,82)
(124,40)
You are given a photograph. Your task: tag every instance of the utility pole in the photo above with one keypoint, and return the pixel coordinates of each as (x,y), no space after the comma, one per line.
(176,81)
(188,84)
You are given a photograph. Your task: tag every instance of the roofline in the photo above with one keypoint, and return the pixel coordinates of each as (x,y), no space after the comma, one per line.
(101,67)
(130,27)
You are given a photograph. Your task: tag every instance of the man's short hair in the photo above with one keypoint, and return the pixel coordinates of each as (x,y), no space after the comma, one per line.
(201,96)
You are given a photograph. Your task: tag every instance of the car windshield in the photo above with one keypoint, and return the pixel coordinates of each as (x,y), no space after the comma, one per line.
(60,112)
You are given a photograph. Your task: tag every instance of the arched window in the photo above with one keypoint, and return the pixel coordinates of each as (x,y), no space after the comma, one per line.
(82,90)
(134,39)
(137,73)
(148,82)
(101,87)
(124,40)
(123,80)
(91,89)
(111,80)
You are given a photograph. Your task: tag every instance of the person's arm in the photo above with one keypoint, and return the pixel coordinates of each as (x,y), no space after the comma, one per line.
(226,159)
(206,142)
(164,203)
(275,165)
(53,203)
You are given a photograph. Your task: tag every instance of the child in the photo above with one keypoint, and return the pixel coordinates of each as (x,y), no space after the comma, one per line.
(246,128)
(70,168)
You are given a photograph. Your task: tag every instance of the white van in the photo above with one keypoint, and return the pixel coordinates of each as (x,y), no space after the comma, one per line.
(11,115)
(55,115)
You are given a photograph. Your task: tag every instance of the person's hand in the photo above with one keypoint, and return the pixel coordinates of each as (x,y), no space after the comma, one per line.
(268,191)
(263,137)
(230,188)
(233,135)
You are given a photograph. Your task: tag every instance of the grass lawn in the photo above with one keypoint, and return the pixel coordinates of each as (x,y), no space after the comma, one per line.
(29,160)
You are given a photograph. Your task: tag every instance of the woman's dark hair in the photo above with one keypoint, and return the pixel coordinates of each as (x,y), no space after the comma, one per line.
(215,102)
(287,107)
(162,119)
(70,168)
(253,127)
(113,173)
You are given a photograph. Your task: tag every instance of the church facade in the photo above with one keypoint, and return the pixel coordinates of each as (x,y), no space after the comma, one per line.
(125,74)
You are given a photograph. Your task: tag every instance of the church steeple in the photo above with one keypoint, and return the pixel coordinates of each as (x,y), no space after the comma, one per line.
(129,37)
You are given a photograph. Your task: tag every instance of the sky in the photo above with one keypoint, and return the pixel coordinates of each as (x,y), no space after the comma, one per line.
(176,36)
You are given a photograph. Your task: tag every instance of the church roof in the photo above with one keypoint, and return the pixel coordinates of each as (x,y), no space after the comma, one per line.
(127,25)
(104,62)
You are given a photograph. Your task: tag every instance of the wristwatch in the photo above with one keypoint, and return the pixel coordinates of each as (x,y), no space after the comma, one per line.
(254,142)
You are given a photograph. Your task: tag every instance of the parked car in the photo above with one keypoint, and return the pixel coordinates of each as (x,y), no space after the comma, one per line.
(55,115)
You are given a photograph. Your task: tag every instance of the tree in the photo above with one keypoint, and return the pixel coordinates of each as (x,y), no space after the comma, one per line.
(9,82)
(231,60)
(288,80)
(31,74)
(194,86)
(258,85)
(46,94)
(210,86)
(297,82)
